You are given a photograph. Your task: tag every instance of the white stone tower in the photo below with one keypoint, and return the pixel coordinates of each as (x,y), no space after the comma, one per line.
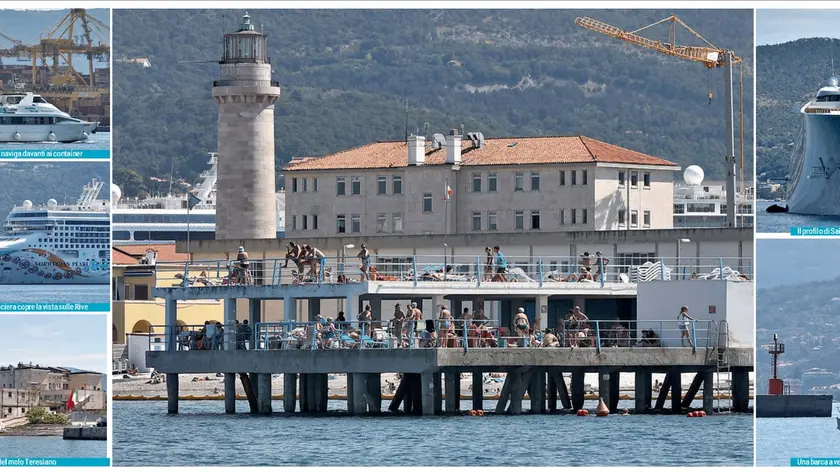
(245,93)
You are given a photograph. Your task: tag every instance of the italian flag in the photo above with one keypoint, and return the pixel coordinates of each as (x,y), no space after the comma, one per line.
(73,400)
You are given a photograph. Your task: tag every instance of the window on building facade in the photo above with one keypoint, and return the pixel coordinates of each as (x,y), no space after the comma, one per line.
(294,222)
(427,203)
(621,178)
(679,209)
(381,223)
(519,219)
(397,222)
(492,182)
(634,179)
(646,220)
(562,178)
(583,216)
(397,184)
(305,184)
(304,220)
(492,221)
(574,176)
(584,177)
(634,218)
(519,181)
(381,185)
(294,184)
(476,182)
(340,224)
(314,221)
(356,186)
(622,217)
(476,221)
(535,219)
(340,186)
(573,214)
(646,179)
(535,181)
(356,223)
(314,184)
(562,217)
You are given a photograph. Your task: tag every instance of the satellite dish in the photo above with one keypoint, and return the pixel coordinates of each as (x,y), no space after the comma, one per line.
(694,175)
(52,203)
(27,204)
(116,193)
(438,141)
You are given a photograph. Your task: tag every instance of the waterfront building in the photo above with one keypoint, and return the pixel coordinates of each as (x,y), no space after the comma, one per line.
(24,386)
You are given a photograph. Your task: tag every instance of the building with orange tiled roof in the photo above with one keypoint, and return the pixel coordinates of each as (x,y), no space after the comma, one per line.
(506,185)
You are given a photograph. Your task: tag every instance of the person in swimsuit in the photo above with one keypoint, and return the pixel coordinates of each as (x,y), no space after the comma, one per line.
(521,326)
(364,258)
(397,324)
(295,254)
(488,264)
(365,319)
(501,264)
(684,321)
(244,276)
(446,328)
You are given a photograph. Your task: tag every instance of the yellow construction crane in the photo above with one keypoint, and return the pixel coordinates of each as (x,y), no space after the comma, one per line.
(710,56)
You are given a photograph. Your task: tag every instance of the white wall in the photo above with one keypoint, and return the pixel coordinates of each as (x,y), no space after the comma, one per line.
(730,301)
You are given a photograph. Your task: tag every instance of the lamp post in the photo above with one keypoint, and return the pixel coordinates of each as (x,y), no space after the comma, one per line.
(679,247)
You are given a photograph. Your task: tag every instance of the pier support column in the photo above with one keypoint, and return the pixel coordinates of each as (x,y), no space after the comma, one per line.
(229,335)
(519,385)
(615,390)
(457,309)
(437,391)
(427,396)
(692,390)
(740,391)
(542,313)
(264,393)
(254,319)
(477,390)
(359,390)
(643,392)
(351,305)
(230,393)
(437,301)
(577,389)
(374,389)
(562,390)
(709,392)
(401,395)
(552,391)
(676,393)
(290,309)
(453,391)
(313,306)
(376,312)
(321,392)
(538,391)
(289,392)
(171,320)
(312,385)
(172,393)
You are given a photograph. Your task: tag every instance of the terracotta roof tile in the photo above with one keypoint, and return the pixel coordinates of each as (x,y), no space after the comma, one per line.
(165,252)
(496,151)
(119,258)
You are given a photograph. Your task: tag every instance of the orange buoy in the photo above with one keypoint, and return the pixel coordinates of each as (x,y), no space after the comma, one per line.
(602,409)
(480,412)
(701,413)
(583,412)
(691,414)
(473,413)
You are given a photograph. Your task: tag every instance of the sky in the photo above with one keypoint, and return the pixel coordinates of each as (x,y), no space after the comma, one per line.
(782,26)
(78,341)
(780,261)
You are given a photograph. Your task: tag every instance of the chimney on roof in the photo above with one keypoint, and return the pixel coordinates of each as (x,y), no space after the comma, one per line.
(416,150)
(453,147)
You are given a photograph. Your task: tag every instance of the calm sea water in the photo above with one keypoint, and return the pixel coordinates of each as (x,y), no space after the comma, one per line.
(779,439)
(781,222)
(95,141)
(31,447)
(55,293)
(145,435)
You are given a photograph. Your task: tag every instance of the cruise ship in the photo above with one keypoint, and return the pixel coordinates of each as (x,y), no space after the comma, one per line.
(58,244)
(164,219)
(814,187)
(27,118)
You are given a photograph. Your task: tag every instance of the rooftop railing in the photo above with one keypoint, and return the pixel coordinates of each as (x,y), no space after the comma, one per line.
(475,271)
(447,333)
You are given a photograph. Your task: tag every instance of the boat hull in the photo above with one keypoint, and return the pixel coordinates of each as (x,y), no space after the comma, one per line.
(64,132)
(817,192)
(40,267)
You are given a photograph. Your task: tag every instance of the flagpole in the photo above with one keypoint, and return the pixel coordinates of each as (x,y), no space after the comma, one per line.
(189,257)
(445,226)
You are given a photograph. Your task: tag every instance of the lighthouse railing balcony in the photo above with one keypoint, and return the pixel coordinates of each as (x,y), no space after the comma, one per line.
(458,271)
(245,83)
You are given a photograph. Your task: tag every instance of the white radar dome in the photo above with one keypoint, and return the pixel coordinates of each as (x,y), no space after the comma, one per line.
(694,175)
(116,193)
(52,203)
(27,204)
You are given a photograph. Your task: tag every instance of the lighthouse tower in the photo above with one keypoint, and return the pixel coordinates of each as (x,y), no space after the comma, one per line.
(245,94)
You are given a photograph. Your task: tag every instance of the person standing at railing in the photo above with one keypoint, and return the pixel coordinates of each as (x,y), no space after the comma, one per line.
(501,264)
(341,322)
(364,258)
(397,324)
(428,338)
(600,265)
(328,333)
(684,323)
(244,276)
(246,334)
(446,328)
(295,254)
(316,259)
(578,326)
(463,323)
(488,264)
(414,318)
(365,318)
(521,327)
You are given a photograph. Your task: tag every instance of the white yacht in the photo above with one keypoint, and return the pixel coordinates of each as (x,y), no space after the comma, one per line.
(58,244)
(26,118)
(702,204)
(814,182)
(164,219)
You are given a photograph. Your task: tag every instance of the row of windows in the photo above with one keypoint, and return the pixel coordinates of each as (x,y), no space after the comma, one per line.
(634,179)
(634,218)
(307,222)
(355,224)
(302,184)
(682,208)
(396,223)
(33,120)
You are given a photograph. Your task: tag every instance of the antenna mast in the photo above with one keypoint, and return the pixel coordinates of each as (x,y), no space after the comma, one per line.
(406,121)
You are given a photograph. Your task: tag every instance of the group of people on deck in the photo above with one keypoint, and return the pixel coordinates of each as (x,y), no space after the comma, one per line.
(305,255)
(590,269)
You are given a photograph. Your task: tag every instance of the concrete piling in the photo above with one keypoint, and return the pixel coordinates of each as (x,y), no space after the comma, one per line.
(708,392)
(577,389)
(289,391)
(359,390)
(740,390)
(477,390)
(453,391)
(172,393)
(643,391)
(264,393)
(230,393)
(676,394)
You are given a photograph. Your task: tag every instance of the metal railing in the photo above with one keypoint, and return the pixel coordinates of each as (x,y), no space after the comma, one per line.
(471,270)
(245,83)
(444,333)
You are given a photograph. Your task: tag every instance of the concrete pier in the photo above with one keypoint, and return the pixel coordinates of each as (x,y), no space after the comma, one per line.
(92,433)
(793,406)
(230,393)
(172,393)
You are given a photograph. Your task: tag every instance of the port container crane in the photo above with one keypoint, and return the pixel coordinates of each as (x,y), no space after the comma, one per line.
(710,56)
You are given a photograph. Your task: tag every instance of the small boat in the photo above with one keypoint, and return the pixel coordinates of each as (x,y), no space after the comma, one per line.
(29,118)
(777,209)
